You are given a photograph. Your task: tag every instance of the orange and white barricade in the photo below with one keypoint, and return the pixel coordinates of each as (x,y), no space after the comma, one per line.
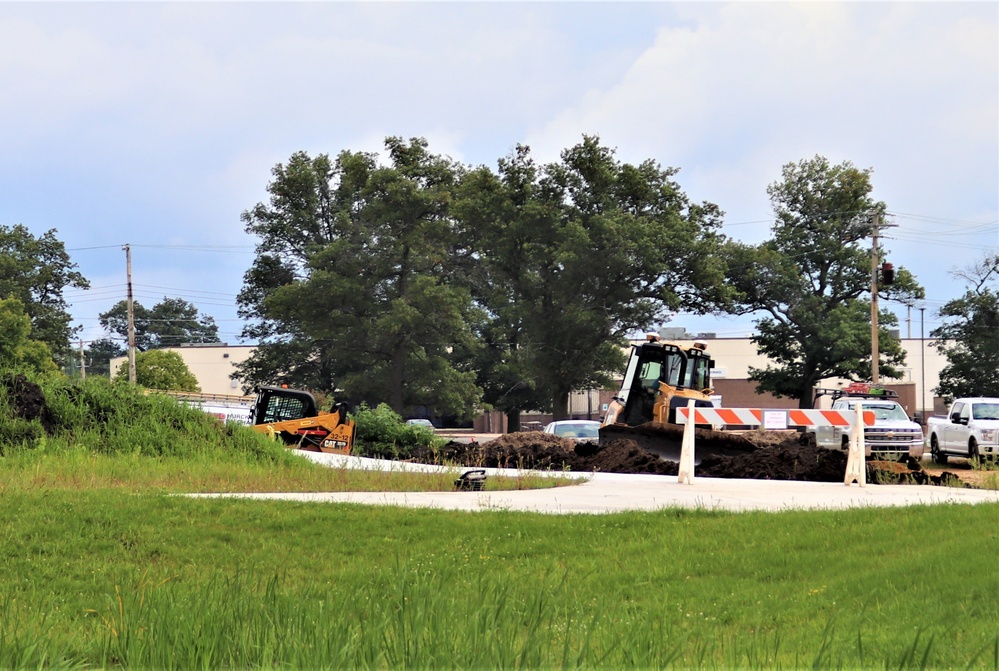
(775,419)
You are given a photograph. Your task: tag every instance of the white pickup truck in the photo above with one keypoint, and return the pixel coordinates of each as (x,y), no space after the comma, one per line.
(971,429)
(893,435)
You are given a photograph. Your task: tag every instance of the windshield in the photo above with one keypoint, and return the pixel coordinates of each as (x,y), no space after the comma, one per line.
(886,411)
(699,372)
(985,411)
(578,430)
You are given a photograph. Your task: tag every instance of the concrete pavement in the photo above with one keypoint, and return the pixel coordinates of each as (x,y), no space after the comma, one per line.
(615,492)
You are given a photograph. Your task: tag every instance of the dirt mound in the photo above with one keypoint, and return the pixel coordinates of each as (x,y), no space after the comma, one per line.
(779,456)
(26,400)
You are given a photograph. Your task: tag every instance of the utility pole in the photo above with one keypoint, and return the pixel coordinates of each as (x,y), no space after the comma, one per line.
(131,316)
(875,374)
(83,362)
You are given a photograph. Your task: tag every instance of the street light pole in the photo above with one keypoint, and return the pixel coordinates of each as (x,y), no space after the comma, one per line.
(922,364)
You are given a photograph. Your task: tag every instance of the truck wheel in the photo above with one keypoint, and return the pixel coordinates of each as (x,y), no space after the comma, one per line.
(938,456)
(973,449)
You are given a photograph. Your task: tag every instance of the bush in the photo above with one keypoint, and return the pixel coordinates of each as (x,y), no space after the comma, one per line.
(107,417)
(382,433)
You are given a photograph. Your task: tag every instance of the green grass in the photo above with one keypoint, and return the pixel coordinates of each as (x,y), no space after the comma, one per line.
(76,469)
(104,565)
(111,577)
(102,434)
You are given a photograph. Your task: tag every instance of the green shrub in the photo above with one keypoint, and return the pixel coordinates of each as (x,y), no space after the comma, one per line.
(107,417)
(382,433)
(19,433)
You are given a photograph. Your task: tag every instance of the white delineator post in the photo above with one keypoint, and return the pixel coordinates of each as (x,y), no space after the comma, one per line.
(856,468)
(685,472)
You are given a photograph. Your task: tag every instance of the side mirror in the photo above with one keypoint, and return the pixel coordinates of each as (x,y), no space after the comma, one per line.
(955,417)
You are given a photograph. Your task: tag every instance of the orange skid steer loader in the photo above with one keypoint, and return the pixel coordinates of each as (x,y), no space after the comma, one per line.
(293,416)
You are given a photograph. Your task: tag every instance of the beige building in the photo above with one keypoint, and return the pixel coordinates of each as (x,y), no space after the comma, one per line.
(921,373)
(213,364)
(730,379)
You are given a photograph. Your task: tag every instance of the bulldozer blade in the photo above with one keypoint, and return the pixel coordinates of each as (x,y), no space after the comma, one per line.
(665,440)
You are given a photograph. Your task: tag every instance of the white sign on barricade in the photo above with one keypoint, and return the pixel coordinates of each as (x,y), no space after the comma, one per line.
(775,420)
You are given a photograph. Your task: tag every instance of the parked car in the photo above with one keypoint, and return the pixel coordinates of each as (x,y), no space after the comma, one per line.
(582,430)
(420,422)
(970,429)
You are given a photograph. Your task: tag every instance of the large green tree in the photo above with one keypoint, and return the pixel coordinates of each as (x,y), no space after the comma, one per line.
(36,271)
(573,255)
(969,337)
(170,323)
(812,281)
(354,291)
(18,350)
(159,369)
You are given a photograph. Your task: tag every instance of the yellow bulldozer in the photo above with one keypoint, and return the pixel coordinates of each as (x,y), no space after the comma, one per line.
(661,377)
(293,416)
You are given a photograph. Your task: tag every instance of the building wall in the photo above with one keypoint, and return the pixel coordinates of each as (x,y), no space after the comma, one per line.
(743,394)
(211,364)
(920,374)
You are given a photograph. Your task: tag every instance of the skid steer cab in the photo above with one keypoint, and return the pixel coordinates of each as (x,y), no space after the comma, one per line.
(292,416)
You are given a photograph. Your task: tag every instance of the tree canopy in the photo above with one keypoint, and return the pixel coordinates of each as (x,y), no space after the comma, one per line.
(812,281)
(969,338)
(571,256)
(429,283)
(18,350)
(353,291)
(36,271)
(98,356)
(160,369)
(170,323)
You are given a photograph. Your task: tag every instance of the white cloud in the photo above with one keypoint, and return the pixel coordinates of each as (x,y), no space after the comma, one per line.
(161,121)
(737,90)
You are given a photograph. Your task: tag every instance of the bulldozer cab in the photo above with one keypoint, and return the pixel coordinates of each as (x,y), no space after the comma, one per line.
(661,376)
(278,404)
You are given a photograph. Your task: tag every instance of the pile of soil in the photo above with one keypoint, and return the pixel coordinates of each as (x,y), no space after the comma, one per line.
(778,456)
(26,400)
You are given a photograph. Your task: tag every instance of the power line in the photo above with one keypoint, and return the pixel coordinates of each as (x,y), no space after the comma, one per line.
(193,291)
(242,249)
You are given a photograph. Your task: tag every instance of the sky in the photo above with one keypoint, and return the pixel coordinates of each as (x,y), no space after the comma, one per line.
(157,124)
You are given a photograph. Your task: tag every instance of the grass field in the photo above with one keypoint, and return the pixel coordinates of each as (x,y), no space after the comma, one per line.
(97,577)
(105,564)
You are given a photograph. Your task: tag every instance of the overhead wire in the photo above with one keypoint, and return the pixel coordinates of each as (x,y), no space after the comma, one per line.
(197,297)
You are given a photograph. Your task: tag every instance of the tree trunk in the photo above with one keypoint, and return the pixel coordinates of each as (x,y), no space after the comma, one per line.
(560,406)
(513,420)
(806,397)
(397,378)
